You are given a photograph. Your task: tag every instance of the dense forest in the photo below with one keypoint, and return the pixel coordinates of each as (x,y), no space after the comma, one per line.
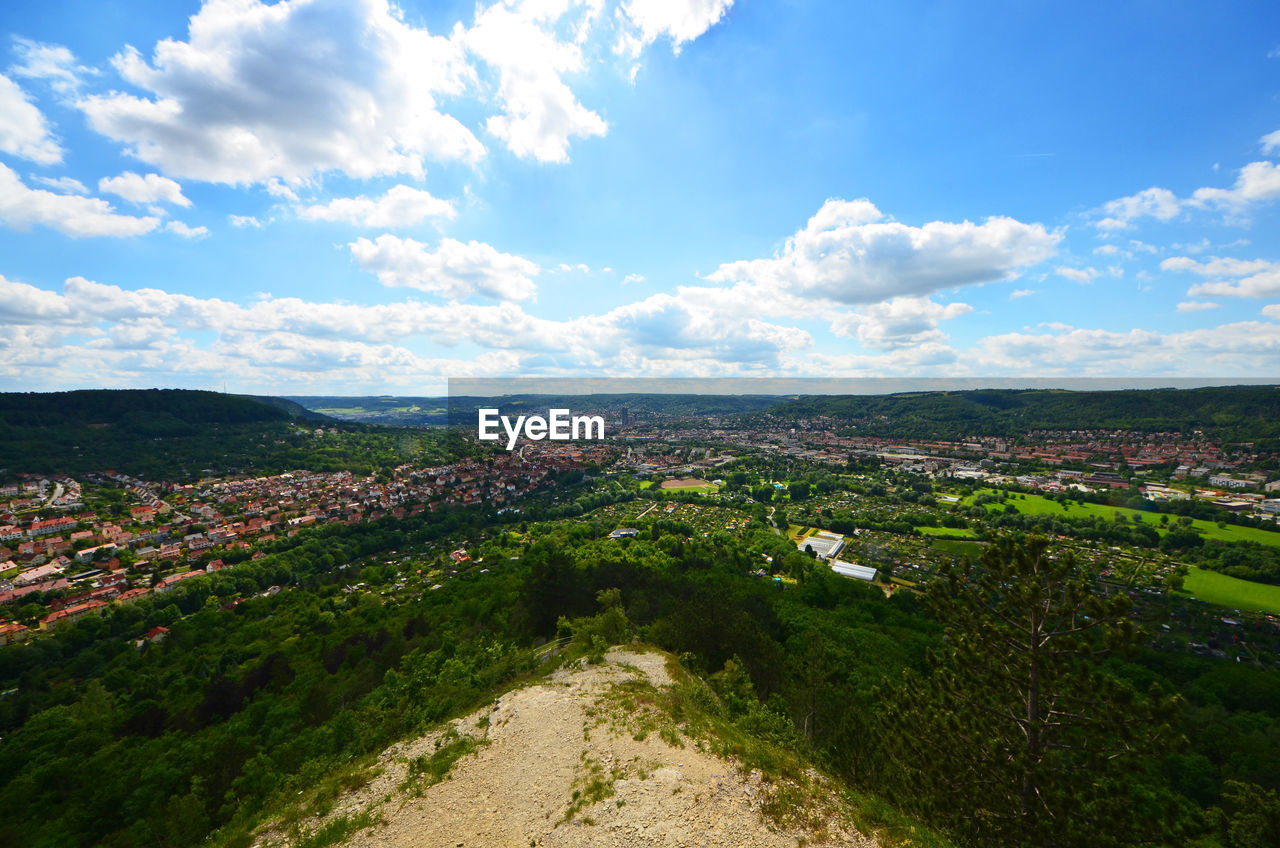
(171,434)
(1230,413)
(255,698)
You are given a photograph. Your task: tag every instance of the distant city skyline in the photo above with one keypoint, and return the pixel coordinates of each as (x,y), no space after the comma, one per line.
(328,197)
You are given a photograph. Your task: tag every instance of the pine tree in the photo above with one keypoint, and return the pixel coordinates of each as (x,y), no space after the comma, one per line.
(1018,735)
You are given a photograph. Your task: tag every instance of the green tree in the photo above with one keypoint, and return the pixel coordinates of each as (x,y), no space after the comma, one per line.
(1018,736)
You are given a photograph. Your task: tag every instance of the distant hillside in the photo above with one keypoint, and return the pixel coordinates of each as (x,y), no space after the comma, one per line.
(425,411)
(153,432)
(1231,413)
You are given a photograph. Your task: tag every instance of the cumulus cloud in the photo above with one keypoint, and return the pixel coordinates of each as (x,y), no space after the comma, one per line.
(114,336)
(136,188)
(1270,143)
(1254,277)
(1077,275)
(401,206)
(1020,293)
(25,304)
(22,207)
(62,185)
(1197,305)
(284,339)
(1154,202)
(1257,182)
(901,322)
(50,62)
(453,270)
(1215,266)
(679,20)
(540,112)
(1239,348)
(1263,284)
(23,129)
(187,232)
(849,254)
(289,90)
(243,221)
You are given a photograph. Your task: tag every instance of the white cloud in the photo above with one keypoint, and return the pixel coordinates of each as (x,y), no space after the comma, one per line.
(21,207)
(897,323)
(284,339)
(244,221)
(454,270)
(1106,250)
(1247,347)
(401,206)
(92,332)
(24,304)
(1263,284)
(1216,266)
(565,267)
(540,112)
(23,130)
(289,90)
(848,254)
(1270,143)
(679,20)
(1154,202)
(181,229)
(1017,293)
(1255,277)
(136,188)
(62,185)
(633,278)
(1257,182)
(1077,275)
(51,62)
(1197,305)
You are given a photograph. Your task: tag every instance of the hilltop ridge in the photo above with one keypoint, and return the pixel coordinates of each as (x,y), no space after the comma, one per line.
(583,757)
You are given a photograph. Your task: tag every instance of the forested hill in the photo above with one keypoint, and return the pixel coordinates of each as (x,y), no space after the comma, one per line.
(149,432)
(154,410)
(1231,413)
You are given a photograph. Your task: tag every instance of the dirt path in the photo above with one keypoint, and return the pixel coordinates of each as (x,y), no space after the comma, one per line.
(546,742)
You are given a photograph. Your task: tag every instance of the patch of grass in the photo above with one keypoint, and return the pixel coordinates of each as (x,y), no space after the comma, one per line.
(338,830)
(429,769)
(1231,592)
(972,550)
(892,829)
(592,786)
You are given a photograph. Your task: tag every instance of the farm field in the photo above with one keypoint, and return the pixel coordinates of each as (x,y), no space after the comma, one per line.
(1231,592)
(1040,505)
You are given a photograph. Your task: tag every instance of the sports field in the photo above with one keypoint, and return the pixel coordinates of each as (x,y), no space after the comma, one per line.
(1040,505)
(953,532)
(1231,592)
(690,484)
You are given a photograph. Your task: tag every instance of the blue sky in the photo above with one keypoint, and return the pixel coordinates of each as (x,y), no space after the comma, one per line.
(357,197)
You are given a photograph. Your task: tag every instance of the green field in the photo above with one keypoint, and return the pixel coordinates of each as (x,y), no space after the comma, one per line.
(1231,592)
(1040,505)
(678,486)
(972,550)
(958,532)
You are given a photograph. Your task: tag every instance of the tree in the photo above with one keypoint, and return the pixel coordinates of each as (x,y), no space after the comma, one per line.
(1018,736)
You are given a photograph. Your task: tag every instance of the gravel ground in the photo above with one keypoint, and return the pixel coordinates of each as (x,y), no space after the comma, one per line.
(544,742)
